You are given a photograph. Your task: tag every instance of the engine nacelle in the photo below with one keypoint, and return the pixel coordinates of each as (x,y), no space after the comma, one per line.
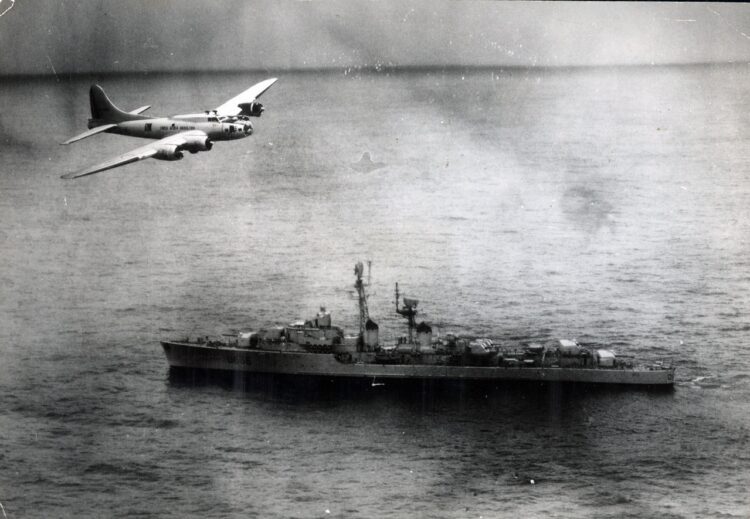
(254,109)
(168,152)
(196,144)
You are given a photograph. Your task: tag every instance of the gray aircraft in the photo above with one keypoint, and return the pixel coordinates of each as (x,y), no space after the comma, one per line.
(175,134)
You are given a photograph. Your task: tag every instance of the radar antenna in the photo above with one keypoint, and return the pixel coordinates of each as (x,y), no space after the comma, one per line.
(409,311)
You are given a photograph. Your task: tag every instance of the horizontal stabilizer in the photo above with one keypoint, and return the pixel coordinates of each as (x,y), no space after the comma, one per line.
(139,110)
(89,133)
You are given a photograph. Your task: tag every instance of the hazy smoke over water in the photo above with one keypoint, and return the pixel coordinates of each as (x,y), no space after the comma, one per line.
(51,37)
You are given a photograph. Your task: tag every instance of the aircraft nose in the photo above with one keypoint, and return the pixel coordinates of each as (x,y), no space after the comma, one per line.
(248,129)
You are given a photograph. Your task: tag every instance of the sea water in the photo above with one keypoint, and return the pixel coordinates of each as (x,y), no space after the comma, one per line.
(608,205)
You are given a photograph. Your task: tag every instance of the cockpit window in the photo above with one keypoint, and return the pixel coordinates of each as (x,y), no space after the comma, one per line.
(213,119)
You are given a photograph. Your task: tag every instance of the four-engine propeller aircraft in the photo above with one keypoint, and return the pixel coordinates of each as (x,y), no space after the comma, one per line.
(175,134)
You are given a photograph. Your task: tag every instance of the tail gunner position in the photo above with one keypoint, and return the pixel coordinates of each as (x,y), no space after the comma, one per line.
(174,134)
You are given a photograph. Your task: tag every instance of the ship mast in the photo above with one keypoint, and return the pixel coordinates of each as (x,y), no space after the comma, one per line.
(364,314)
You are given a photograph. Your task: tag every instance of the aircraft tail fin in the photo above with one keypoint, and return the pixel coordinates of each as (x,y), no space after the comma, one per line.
(104,111)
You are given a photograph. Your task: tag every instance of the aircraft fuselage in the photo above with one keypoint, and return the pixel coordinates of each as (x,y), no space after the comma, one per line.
(161,127)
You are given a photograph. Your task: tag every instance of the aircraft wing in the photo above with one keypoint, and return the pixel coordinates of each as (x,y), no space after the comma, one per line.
(93,131)
(144,152)
(232,107)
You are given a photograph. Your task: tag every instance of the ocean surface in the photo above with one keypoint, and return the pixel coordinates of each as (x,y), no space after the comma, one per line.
(607,205)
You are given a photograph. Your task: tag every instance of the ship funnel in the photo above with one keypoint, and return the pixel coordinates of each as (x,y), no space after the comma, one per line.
(424,336)
(371,335)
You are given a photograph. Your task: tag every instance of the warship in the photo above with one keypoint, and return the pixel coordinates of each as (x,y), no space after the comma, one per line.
(317,348)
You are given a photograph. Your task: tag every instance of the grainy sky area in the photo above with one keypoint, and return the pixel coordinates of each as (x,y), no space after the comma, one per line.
(64,36)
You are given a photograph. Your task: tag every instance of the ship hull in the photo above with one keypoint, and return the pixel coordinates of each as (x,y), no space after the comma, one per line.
(304,364)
